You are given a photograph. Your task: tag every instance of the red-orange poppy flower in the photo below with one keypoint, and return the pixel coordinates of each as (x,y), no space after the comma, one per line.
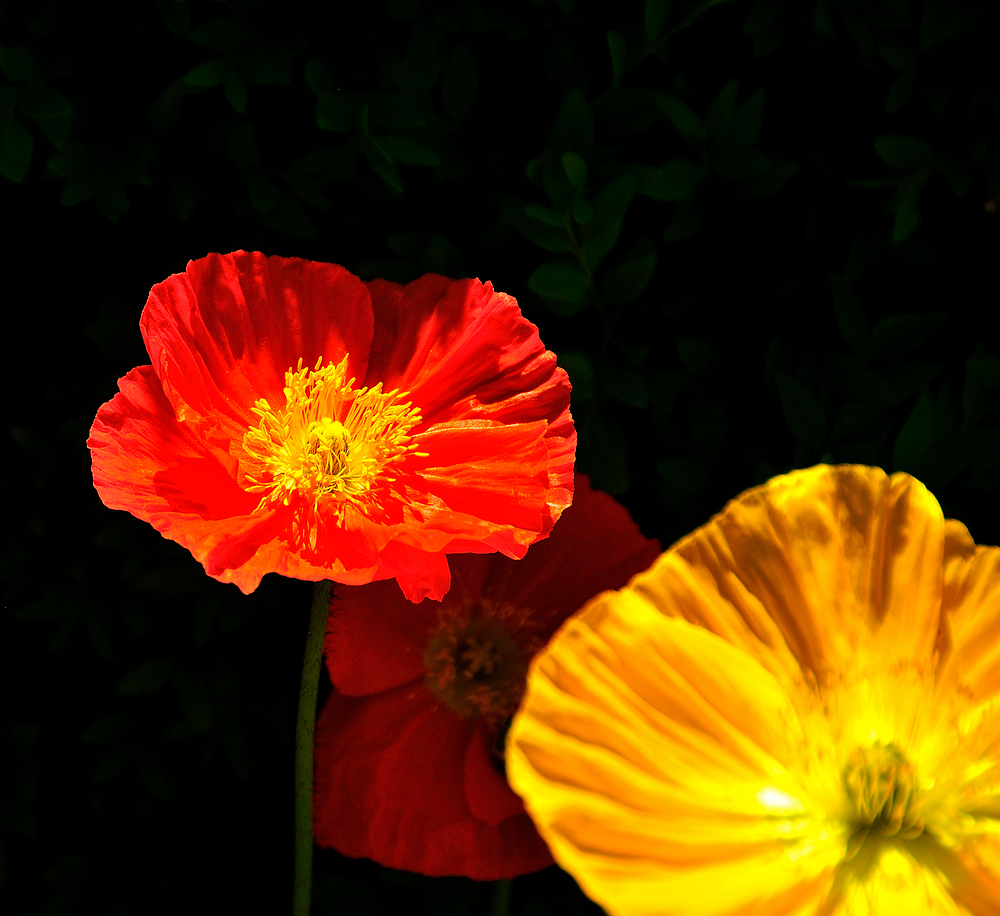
(409,743)
(297,420)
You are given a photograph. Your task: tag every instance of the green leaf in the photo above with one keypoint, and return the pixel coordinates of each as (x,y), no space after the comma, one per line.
(958,176)
(680,479)
(318,76)
(655,17)
(560,278)
(392,110)
(903,333)
(720,112)
(899,93)
(222,34)
(904,152)
(384,167)
(175,16)
(206,75)
(625,384)
(38,101)
(337,111)
(616,45)
(688,124)
(629,280)
(575,167)
(779,171)
(145,678)
(235,87)
(900,58)
(985,368)
(850,314)
(17,63)
(574,125)
(601,234)
(696,355)
(944,19)
(907,216)
(803,410)
(405,149)
(545,215)
(16,147)
(685,221)
(915,437)
(581,375)
(458,91)
(626,111)
(546,236)
(747,121)
(674,180)
(761,24)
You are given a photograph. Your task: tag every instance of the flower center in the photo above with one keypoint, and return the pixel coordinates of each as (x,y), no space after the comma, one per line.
(476,667)
(330,442)
(881,785)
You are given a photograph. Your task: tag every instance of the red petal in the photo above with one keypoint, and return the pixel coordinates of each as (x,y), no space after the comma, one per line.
(463,351)
(596,546)
(375,638)
(490,798)
(223,333)
(389,787)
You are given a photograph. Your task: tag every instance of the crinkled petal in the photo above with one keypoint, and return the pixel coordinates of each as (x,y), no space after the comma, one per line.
(465,352)
(389,775)
(970,636)
(223,333)
(596,547)
(147,463)
(804,569)
(490,798)
(655,759)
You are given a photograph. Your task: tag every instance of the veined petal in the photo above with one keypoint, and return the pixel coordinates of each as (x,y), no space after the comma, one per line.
(222,333)
(970,639)
(811,565)
(465,352)
(658,762)
(387,767)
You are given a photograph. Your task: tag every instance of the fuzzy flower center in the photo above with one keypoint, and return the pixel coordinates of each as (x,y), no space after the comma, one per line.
(882,786)
(476,667)
(330,442)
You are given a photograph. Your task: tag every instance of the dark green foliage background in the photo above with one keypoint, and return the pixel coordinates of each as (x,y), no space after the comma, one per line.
(759,235)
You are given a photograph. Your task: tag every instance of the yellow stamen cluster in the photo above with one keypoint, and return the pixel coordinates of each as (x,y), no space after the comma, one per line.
(330,443)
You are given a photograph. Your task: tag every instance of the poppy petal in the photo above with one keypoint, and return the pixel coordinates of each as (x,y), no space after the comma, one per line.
(222,333)
(464,351)
(598,562)
(800,570)
(398,758)
(490,798)
(375,637)
(652,756)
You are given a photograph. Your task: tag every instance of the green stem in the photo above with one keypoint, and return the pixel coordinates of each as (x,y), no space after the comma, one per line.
(501,898)
(304,727)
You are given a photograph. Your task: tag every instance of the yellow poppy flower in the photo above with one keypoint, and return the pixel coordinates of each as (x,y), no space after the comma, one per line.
(794,712)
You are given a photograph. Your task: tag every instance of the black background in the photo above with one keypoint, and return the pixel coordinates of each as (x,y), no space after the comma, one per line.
(766,281)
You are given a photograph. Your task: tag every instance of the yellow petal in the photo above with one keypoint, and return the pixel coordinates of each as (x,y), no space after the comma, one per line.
(656,760)
(802,570)
(970,643)
(887,879)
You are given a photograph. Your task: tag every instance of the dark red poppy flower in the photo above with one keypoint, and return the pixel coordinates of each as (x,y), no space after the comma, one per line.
(297,420)
(409,744)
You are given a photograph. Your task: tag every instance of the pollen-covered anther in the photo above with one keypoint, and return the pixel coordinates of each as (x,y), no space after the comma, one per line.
(882,786)
(330,443)
(476,667)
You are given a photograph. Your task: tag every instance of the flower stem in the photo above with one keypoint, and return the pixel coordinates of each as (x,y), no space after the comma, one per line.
(501,898)
(304,727)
